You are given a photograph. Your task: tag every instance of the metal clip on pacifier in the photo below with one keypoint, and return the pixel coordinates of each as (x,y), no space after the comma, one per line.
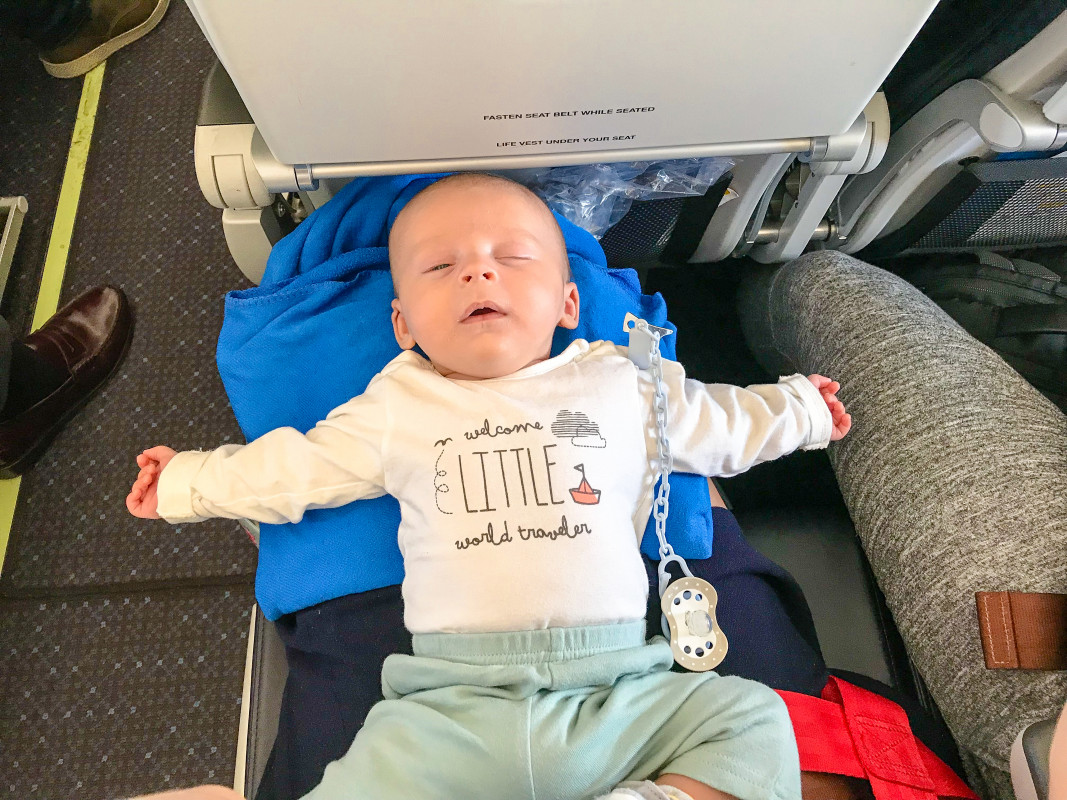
(688,604)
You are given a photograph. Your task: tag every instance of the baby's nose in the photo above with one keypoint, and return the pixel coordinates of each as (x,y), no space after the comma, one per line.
(478,271)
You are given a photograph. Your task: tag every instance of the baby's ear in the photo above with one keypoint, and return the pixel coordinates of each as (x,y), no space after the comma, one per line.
(571,306)
(400,328)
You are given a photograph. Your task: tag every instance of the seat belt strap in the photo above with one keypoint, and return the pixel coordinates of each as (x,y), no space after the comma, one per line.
(1023,630)
(850,731)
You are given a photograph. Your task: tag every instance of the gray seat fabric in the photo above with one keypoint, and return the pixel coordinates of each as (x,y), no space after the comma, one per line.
(955,475)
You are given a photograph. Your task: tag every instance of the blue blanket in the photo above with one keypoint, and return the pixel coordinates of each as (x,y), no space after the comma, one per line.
(315,332)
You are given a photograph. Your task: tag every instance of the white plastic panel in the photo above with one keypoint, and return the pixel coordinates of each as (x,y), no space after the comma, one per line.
(330,81)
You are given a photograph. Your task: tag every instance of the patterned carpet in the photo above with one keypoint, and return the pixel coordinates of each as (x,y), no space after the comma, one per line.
(122,641)
(36,117)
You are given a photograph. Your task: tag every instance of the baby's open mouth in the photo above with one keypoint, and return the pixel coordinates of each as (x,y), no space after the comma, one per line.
(482,311)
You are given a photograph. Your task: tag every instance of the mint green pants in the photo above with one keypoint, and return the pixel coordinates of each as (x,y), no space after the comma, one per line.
(560,714)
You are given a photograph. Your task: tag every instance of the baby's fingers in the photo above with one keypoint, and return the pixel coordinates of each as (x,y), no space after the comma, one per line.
(841,427)
(133,503)
(154,455)
(143,506)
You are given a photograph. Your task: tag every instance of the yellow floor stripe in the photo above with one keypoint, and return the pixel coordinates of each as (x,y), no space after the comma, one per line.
(55,263)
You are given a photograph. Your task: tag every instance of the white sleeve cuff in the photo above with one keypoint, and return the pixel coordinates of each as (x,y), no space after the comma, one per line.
(174,491)
(822,424)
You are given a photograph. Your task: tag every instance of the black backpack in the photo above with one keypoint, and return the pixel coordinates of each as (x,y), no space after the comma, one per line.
(1017,307)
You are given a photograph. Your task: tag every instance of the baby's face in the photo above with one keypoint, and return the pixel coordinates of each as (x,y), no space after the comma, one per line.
(481,279)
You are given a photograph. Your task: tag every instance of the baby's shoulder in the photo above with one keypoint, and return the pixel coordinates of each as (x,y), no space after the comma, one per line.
(407,364)
(608,357)
(605,350)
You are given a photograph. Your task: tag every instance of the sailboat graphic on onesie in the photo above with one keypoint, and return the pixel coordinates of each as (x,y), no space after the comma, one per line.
(585,494)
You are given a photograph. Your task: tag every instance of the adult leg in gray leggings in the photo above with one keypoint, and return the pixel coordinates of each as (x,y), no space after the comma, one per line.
(955,474)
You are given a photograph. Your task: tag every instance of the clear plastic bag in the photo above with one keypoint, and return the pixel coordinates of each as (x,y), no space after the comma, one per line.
(596,196)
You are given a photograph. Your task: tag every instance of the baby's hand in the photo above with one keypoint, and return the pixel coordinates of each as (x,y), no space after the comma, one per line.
(142,498)
(828,389)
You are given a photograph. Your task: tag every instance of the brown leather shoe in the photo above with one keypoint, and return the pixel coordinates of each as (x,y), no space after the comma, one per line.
(112,24)
(87,338)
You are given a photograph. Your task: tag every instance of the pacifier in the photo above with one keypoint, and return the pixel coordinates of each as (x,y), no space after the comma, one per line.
(696,639)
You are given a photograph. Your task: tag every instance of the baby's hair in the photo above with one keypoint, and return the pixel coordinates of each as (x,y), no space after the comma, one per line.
(475,178)
(486,178)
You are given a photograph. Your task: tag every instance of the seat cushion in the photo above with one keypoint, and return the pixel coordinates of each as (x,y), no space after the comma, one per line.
(819,547)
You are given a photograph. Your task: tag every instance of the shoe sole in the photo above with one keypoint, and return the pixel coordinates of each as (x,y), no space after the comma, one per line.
(82,64)
(25,463)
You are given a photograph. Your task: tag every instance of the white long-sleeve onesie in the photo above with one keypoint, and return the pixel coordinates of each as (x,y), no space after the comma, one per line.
(523,498)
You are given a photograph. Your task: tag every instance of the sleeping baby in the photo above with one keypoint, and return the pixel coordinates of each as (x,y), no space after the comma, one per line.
(525,481)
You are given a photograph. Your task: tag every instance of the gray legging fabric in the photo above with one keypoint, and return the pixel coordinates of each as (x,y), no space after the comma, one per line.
(955,475)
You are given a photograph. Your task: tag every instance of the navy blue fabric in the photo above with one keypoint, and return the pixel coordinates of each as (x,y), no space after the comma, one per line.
(762,611)
(336,649)
(315,332)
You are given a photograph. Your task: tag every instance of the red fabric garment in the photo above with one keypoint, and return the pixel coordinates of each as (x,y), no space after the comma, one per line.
(850,731)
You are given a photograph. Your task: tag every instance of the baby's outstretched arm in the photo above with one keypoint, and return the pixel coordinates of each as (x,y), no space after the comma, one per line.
(143,497)
(829,389)
(276,477)
(722,430)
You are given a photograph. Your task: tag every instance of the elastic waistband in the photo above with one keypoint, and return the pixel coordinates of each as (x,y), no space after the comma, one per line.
(529,647)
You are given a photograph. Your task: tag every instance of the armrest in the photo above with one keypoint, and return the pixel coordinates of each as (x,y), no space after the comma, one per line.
(265,676)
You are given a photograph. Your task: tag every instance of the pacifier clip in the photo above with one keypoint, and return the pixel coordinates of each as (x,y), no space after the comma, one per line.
(688,604)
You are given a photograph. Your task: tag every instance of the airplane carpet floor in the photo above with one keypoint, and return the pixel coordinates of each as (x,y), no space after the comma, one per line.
(122,641)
